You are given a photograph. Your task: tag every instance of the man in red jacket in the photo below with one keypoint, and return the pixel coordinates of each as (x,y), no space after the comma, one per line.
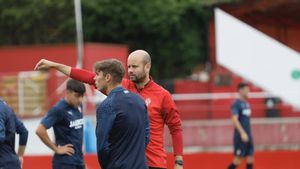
(161,107)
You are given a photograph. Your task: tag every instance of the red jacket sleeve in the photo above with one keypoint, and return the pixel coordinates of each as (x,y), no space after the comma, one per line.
(172,119)
(83,76)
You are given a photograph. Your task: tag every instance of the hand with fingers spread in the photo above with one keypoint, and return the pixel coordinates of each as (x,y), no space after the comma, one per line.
(65,149)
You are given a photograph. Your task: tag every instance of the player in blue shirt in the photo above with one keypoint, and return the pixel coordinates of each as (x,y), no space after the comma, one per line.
(66,118)
(243,140)
(9,126)
(122,121)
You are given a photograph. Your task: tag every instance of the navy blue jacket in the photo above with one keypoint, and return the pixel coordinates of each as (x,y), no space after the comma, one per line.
(9,126)
(122,131)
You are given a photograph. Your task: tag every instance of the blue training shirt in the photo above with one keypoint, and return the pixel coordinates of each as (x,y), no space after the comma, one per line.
(67,122)
(122,131)
(9,126)
(243,111)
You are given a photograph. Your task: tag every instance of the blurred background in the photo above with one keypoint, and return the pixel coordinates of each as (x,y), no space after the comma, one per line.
(200,49)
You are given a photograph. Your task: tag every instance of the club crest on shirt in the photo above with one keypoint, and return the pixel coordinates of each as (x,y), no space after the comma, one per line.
(148,101)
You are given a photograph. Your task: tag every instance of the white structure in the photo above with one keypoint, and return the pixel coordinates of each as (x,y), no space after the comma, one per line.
(258,58)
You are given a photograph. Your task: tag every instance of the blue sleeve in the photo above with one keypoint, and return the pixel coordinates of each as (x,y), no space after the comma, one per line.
(2,123)
(105,122)
(235,108)
(22,131)
(147,129)
(51,117)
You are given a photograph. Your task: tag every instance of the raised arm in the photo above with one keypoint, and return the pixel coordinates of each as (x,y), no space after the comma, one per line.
(82,75)
(47,64)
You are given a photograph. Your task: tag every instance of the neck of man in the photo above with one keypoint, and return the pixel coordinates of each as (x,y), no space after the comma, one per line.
(68,101)
(243,98)
(112,87)
(143,83)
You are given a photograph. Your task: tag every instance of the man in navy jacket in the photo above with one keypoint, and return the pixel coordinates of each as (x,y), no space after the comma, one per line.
(9,126)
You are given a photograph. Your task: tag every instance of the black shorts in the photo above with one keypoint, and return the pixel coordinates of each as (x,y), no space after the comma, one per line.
(67,166)
(243,149)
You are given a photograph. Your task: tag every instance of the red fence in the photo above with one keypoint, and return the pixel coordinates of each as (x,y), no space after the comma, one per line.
(263,160)
(268,134)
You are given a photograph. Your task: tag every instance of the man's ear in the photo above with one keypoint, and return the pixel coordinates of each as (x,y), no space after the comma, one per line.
(148,67)
(108,77)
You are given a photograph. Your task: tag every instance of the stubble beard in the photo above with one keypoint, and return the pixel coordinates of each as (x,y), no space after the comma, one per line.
(137,79)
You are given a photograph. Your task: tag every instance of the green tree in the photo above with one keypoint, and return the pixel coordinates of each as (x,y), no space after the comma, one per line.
(174,32)
(36,22)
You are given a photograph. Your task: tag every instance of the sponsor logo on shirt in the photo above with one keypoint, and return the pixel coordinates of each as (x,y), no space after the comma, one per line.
(77,124)
(246,112)
(148,101)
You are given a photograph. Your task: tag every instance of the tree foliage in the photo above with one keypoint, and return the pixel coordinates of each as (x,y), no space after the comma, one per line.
(36,22)
(174,32)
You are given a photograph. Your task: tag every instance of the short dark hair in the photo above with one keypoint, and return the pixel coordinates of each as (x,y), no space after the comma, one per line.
(76,86)
(111,66)
(242,85)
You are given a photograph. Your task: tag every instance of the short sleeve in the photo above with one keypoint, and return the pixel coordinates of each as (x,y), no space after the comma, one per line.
(22,131)
(52,116)
(235,108)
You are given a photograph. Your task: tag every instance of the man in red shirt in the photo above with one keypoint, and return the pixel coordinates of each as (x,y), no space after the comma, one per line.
(161,107)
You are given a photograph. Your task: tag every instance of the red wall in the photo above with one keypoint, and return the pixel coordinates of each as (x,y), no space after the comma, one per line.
(263,160)
(24,58)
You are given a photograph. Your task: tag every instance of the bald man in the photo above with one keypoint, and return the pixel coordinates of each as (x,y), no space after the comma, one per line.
(161,108)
